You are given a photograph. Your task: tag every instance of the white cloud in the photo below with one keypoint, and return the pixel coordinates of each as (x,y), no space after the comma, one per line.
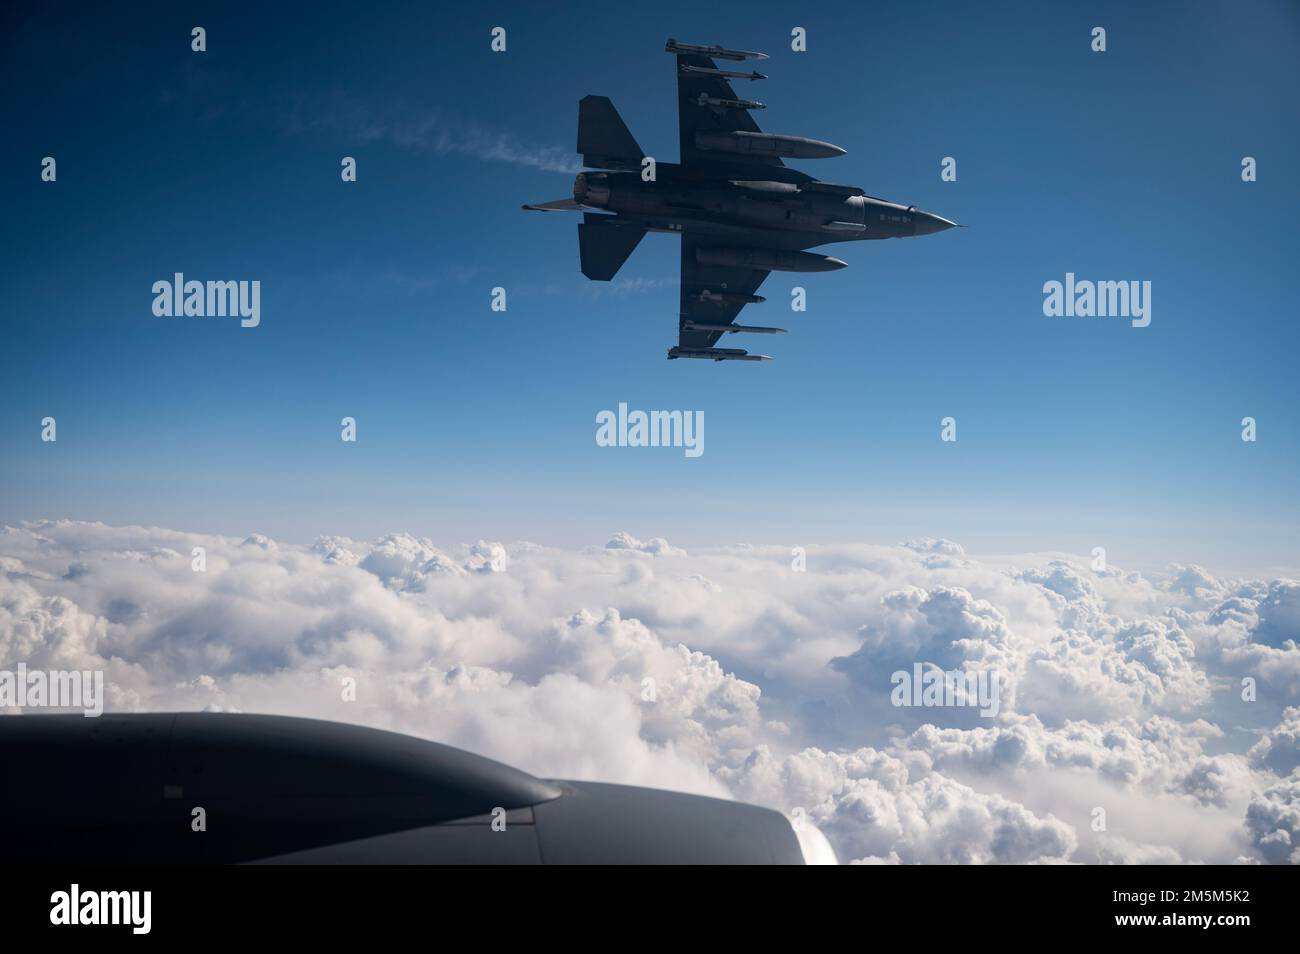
(1279,749)
(1273,819)
(725,671)
(657,546)
(876,807)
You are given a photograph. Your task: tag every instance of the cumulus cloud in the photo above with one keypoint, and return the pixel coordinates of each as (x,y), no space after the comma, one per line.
(1142,719)
(880,808)
(1279,749)
(657,546)
(1273,819)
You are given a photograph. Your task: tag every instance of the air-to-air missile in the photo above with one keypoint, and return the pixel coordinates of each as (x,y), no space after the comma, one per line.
(723,74)
(704,99)
(690,325)
(717,52)
(724,298)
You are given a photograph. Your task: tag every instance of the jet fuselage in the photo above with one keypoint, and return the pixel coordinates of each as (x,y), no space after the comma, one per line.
(812,213)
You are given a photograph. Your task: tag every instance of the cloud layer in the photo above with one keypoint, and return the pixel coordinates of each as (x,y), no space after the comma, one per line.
(1141,719)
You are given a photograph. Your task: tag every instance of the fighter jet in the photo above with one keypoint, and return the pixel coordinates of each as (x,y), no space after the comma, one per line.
(227,788)
(741,212)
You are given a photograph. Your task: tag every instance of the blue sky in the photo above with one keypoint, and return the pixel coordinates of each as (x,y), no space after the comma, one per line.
(1073,433)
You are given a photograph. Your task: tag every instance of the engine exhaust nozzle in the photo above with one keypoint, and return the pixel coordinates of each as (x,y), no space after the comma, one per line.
(591,188)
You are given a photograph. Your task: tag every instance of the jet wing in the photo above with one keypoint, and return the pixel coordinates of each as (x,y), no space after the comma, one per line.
(700,283)
(695,114)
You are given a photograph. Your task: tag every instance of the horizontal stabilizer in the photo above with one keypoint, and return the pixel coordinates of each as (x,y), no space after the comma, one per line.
(559,205)
(603,138)
(605,247)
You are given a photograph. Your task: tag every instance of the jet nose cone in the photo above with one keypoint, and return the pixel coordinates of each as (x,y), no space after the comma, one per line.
(927,223)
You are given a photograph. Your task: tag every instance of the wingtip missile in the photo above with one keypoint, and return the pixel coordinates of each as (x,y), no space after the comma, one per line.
(713,50)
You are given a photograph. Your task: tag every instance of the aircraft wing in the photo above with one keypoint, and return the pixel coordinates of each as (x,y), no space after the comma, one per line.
(695,114)
(697,307)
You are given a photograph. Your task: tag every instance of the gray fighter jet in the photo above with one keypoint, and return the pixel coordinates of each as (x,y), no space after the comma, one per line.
(741,212)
